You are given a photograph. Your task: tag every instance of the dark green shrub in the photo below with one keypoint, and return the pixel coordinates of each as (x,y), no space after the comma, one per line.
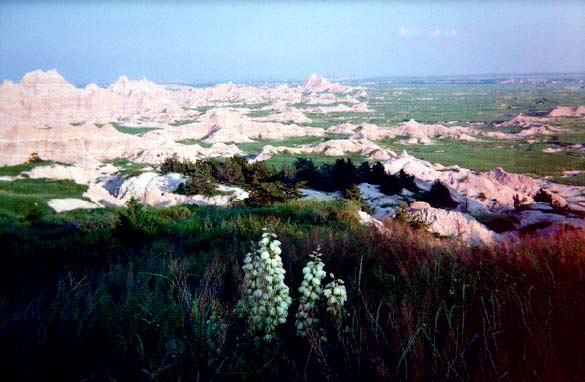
(268,193)
(377,174)
(407,181)
(364,172)
(230,171)
(439,196)
(390,185)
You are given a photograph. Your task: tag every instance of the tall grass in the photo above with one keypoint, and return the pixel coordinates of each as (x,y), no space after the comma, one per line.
(149,294)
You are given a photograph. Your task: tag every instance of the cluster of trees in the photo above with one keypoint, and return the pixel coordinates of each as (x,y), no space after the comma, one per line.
(265,184)
(343,175)
(268,185)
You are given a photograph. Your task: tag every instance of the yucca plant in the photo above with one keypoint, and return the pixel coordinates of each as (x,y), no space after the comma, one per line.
(266,296)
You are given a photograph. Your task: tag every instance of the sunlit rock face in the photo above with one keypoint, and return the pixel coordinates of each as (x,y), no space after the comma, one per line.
(317,84)
(45,114)
(45,98)
(565,111)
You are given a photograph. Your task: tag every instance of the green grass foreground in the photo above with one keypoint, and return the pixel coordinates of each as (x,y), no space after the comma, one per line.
(28,197)
(148,294)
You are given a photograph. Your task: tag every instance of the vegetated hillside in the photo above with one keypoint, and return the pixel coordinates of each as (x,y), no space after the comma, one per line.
(149,294)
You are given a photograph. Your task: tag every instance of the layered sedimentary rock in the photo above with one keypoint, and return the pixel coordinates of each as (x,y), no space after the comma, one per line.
(566,111)
(333,147)
(44,114)
(418,133)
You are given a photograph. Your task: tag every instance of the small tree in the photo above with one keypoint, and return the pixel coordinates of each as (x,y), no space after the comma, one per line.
(377,173)
(520,203)
(259,172)
(364,172)
(198,185)
(344,173)
(353,193)
(267,193)
(390,184)
(439,196)
(230,171)
(34,158)
(306,170)
(407,181)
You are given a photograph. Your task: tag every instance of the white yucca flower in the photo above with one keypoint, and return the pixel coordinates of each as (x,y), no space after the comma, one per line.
(310,291)
(266,296)
(335,295)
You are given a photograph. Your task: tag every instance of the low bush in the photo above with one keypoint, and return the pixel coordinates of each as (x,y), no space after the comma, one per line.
(439,196)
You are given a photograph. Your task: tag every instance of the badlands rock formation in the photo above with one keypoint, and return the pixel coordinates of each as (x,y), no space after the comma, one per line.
(333,147)
(565,111)
(476,192)
(158,190)
(232,125)
(453,224)
(145,122)
(70,144)
(45,114)
(418,133)
(522,121)
(316,84)
(43,99)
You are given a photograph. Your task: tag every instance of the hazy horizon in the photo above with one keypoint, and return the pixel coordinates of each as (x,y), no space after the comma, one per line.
(207,42)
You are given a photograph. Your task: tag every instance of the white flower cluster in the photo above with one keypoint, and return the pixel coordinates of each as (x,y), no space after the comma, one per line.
(266,295)
(310,291)
(336,295)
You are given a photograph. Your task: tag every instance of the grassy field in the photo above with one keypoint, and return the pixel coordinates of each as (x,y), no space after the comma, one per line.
(149,294)
(255,147)
(433,103)
(285,158)
(17,169)
(195,142)
(25,197)
(133,130)
(184,122)
(512,156)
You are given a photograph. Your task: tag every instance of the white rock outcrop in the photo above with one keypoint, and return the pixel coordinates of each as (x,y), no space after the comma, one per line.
(453,224)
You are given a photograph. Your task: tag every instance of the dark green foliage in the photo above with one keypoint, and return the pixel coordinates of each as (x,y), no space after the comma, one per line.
(407,181)
(364,172)
(268,193)
(377,174)
(197,184)
(306,171)
(344,174)
(174,164)
(230,171)
(390,184)
(353,193)
(338,176)
(259,172)
(439,196)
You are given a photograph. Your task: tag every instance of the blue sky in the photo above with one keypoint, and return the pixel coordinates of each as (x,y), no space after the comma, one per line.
(245,41)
